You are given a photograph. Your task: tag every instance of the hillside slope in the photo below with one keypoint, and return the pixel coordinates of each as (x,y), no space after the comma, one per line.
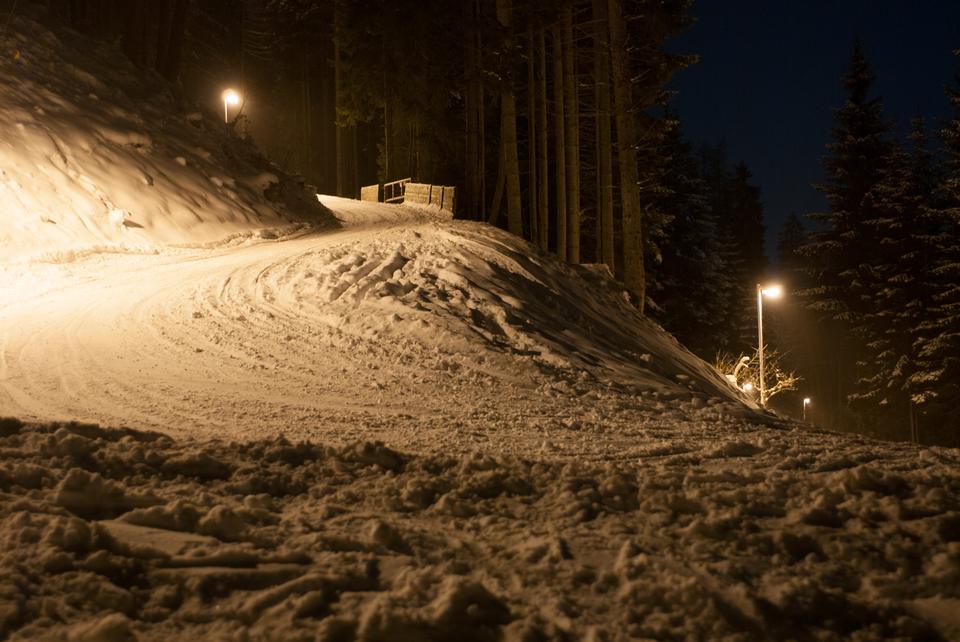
(94,155)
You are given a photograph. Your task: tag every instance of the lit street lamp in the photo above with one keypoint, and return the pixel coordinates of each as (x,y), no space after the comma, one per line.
(230,97)
(773,292)
(806,402)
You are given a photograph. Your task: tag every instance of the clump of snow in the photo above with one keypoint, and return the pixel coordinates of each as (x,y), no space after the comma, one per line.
(121,167)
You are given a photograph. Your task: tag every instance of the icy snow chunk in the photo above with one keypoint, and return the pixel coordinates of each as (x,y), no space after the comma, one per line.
(198,464)
(262,182)
(175,516)
(383,534)
(735,448)
(90,495)
(549,548)
(222,523)
(110,628)
(128,137)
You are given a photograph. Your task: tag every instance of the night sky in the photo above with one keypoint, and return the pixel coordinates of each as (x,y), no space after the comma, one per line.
(769,77)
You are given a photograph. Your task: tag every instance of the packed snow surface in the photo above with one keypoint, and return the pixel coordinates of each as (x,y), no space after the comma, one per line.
(395,330)
(339,421)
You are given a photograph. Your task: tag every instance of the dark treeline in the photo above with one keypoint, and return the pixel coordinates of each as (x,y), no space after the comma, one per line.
(879,274)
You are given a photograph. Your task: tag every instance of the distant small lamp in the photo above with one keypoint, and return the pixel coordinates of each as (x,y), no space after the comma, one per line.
(230,97)
(748,387)
(771,292)
(806,402)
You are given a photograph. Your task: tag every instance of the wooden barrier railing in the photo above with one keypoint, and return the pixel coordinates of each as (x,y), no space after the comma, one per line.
(405,191)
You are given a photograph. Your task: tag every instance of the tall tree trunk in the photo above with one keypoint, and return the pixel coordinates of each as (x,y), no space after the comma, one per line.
(386,137)
(164,12)
(634,276)
(559,151)
(338,130)
(543,226)
(472,166)
(171,68)
(532,186)
(494,216)
(508,133)
(307,113)
(355,163)
(604,135)
(572,135)
(134,31)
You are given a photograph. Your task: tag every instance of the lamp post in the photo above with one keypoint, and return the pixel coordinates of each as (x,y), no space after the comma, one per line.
(806,402)
(230,97)
(773,292)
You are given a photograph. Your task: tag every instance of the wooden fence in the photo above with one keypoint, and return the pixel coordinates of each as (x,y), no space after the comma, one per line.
(405,191)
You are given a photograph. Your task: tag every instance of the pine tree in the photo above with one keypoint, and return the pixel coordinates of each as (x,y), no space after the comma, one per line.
(894,288)
(858,155)
(746,221)
(854,167)
(691,287)
(934,386)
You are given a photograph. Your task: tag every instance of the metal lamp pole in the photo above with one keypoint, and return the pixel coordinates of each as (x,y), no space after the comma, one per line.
(230,97)
(763,383)
(774,292)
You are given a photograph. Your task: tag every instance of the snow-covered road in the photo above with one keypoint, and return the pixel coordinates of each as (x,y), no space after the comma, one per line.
(400,330)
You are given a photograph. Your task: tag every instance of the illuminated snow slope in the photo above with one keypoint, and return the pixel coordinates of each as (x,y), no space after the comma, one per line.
(398,326)
(93,155)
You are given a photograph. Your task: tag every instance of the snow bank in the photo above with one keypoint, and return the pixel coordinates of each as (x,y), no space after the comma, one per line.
(808,536)
(94,157)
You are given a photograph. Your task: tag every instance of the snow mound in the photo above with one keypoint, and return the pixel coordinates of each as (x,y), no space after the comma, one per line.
(475,289)
(95,157)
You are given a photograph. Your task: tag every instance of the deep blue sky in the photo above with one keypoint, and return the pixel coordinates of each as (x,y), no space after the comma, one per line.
(769,77)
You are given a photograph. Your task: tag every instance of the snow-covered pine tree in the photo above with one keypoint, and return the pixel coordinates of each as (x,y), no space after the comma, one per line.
(934,386)
(893,287)
(845,241)
(744,224)
(854,166)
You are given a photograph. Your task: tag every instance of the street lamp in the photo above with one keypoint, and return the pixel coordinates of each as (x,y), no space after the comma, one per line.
(772,292)
(230,97)
(806,402)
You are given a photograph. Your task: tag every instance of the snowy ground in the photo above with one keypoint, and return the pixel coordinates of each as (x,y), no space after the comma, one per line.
(498,448)
(744,535)
(390,426)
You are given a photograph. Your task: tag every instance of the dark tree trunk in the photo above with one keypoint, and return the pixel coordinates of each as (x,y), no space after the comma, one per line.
(634,276)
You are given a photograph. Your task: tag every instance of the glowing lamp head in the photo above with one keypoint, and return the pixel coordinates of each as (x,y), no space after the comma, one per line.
(806,401)
(772,291)
(231,97)
(748,387)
